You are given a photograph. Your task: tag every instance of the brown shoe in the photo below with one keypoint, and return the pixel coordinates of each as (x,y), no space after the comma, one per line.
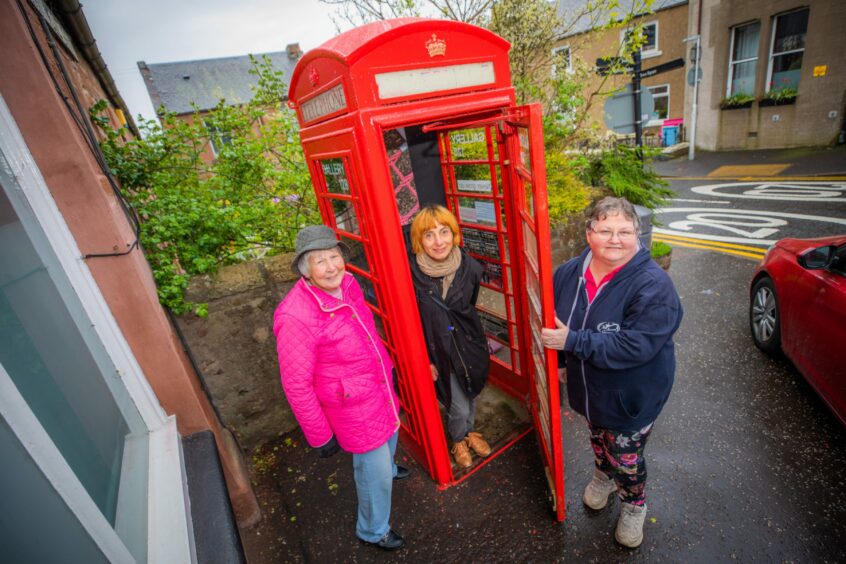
(478,444)
(462,454)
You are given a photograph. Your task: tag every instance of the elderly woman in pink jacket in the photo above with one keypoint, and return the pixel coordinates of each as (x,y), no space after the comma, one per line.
(337,377)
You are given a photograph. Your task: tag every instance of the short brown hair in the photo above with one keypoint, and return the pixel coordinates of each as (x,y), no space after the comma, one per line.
(613,206)
(426,219)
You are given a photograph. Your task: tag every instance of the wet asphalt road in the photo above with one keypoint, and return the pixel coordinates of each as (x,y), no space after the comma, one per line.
(745,464)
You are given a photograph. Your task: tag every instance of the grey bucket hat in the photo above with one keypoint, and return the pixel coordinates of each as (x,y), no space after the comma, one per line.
(315,238)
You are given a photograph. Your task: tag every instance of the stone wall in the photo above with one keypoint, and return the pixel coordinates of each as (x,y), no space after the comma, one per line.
(235,349)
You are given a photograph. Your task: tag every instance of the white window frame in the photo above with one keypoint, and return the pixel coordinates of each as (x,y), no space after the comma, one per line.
(767,87)
(169,535)
(569,68)
(644,53)
(657,122)
(732,63)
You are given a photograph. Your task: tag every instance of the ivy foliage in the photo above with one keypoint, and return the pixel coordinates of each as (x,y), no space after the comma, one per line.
(199,214)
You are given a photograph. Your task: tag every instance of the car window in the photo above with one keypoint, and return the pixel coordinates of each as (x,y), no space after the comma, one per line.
(839,263)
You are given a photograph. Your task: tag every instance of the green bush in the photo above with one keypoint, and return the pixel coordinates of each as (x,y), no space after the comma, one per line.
(196,215)
(621,171)
(566,194)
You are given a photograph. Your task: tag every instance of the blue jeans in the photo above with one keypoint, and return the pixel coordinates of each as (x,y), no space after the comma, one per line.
(374,473)
(462,411)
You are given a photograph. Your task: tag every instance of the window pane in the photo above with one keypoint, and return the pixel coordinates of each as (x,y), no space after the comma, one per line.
(356,257)
(335,176)
(790,31)
(743,78)
(468,144)
(746,42)
(54,368)
(661,108)
(786,71)
(650,33)
(345,217)
(402,175)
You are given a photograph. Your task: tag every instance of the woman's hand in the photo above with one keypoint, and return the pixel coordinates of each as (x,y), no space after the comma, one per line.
(555,338)
(329,449)
(434,372)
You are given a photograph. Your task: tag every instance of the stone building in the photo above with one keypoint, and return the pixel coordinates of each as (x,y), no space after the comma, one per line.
(787,57)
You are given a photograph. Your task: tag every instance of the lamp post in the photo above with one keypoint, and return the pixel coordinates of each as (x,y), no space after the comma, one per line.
(691,148)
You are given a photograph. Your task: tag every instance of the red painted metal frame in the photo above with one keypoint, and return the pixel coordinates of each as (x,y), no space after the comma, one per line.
(537,221)
(356,137)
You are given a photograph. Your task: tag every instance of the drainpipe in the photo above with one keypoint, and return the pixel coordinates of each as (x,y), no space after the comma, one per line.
(77,25)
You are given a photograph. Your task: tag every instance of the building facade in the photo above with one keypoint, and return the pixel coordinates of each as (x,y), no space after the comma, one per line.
(100,407)
(773,73)
(663,31)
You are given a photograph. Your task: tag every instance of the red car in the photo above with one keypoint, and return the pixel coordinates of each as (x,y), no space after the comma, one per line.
(798,307)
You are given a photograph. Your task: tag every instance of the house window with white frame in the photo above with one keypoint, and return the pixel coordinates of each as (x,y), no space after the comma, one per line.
(744,59)
(661,98)
(787,48)
(561,59)
(217,139)
(649,47)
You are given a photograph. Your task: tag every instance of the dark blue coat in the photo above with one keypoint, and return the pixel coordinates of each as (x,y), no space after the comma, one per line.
(619,354)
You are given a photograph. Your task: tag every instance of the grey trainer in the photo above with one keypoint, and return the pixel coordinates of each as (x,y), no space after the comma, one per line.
(598,490)
(630,525)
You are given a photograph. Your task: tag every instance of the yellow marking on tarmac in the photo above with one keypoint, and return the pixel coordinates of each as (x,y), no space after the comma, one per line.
(748,170)
(783,179)
(709,242)
(758,254)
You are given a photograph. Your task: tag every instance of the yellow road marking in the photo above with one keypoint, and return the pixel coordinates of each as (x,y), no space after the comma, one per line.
(712,247)
(748,170)
(823,179)
(709,242)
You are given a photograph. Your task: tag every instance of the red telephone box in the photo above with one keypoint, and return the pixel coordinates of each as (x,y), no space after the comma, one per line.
(401,113)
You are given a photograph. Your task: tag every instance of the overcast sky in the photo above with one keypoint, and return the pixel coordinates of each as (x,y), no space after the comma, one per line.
(158,31)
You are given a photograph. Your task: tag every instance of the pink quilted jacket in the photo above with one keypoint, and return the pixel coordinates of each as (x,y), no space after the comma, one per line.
(336,373)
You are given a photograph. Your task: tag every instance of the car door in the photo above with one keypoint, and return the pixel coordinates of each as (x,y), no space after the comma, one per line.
(821,361)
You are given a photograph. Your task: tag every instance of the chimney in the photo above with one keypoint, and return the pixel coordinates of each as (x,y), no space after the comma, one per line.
(294,51)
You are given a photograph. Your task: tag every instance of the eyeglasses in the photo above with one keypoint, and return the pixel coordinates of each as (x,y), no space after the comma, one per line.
(607,234)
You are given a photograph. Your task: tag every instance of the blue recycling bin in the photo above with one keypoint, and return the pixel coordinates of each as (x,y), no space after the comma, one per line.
(670,134)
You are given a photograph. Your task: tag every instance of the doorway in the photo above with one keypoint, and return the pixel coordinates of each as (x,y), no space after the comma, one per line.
(462,169)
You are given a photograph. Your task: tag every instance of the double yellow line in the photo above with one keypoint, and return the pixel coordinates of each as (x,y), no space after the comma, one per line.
(745,251)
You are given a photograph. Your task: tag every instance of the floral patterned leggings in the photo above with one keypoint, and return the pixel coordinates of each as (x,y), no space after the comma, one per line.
(619,455)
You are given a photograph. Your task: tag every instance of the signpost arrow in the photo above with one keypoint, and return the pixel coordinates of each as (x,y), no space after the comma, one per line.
(663,67)
(613,65)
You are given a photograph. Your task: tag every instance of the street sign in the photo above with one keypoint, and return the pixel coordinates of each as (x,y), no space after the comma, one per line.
(691,77)
(613,65)
(663,67)
(619,110)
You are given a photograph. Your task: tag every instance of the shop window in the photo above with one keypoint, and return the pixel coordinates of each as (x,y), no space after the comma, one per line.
(787,50)
(661,97)
(744,59)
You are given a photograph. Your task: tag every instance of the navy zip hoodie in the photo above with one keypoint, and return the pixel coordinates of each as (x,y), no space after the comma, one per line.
(619,353)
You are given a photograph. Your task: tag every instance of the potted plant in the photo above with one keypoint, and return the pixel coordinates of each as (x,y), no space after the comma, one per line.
(779,97)
(736,101)
(662,253)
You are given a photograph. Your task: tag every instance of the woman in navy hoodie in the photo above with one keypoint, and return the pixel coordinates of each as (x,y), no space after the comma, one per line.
(616,313)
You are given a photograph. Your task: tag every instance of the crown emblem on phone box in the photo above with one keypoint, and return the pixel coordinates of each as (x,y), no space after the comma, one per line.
(436,46)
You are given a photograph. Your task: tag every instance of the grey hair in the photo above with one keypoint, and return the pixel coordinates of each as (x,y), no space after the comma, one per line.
(613,206)
(303,264)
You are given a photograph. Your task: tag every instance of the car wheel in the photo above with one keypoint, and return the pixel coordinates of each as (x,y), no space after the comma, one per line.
(764,318)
